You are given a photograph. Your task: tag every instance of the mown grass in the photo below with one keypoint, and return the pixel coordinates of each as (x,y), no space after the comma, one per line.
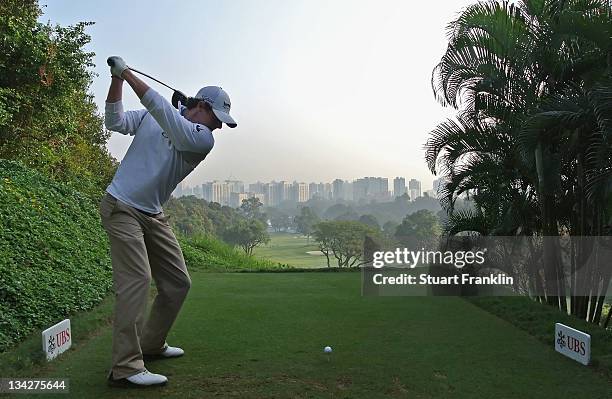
(291,249)
(261,335)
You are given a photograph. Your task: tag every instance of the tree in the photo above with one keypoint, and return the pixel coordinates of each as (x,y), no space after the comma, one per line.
(344,240)
(48,119)
(531,143)
(189,216)
(402,198)
(246,234)
(419,230)
(336,210)
(389,228)
(369,220)
(351,215)
(324,236)
(251,207)
(305,221)
(279,220)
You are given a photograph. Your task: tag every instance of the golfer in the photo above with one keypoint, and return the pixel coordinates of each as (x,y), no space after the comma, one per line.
(168,144)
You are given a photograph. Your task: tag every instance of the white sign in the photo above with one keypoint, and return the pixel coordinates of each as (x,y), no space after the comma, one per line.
(57,339)
(573,343)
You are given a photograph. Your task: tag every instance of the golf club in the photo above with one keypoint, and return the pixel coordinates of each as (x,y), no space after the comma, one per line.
(176,96)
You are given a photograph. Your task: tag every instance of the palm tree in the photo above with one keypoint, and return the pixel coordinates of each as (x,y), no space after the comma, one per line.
(531,144)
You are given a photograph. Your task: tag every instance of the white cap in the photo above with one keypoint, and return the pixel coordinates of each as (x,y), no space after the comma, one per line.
(220,103)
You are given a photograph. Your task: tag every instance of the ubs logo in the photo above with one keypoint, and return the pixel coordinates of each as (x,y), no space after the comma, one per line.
(51,344)
(561,339)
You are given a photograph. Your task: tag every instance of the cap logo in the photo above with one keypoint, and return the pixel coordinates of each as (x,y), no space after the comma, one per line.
(226,105)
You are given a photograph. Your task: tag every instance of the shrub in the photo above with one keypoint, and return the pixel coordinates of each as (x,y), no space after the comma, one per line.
(54,257)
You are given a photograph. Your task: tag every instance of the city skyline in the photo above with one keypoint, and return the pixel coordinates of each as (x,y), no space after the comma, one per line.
(273,193)
(248,182)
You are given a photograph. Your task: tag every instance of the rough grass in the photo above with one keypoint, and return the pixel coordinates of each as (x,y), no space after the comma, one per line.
(539,321)
(209,254)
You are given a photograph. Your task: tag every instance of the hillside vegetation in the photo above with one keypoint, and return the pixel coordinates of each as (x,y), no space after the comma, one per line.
(53,252)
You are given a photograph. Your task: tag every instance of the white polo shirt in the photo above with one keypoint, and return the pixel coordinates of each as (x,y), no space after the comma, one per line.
(165,149)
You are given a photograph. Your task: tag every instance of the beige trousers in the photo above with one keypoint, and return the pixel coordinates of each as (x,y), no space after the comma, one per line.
(142,247)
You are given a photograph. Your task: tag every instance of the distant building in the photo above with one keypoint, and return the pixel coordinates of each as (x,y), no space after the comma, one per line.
(327,191)
(338,189)
(271,193)
(399,186)
(197,191)
(320,191)
(207,191)
(313,190)
(348,191)
(187,191)
(298,192)
(371,188)
(284,189)
(293,192)
(220,192)
(257,187)
(178,191)
(235,186)
(303,192)
(414,189)
(438,184)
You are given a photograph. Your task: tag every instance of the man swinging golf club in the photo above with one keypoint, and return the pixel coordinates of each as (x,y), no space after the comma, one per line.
(168,144)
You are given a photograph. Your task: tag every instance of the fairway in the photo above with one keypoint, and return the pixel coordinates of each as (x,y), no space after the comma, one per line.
(292,249)
(252,335)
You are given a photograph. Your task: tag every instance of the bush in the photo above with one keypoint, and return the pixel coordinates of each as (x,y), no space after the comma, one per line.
(49,121)
(54,256)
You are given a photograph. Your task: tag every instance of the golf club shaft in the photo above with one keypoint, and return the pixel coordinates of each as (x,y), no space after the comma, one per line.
(151,77)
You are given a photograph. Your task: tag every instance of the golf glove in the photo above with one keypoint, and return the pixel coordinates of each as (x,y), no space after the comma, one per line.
(178,98)
(117,65)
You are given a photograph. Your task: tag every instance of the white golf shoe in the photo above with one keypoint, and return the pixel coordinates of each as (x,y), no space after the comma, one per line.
(172,351)
(141,380)
(169,352)
(147,378)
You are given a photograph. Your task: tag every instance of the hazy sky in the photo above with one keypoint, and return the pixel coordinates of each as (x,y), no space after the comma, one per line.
(320,89)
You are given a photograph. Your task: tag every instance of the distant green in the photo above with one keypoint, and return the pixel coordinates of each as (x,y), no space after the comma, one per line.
(291,249)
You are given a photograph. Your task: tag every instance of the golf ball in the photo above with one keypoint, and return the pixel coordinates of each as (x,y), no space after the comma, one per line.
(327,349)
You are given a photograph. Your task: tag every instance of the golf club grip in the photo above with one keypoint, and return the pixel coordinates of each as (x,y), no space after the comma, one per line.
(111,63)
